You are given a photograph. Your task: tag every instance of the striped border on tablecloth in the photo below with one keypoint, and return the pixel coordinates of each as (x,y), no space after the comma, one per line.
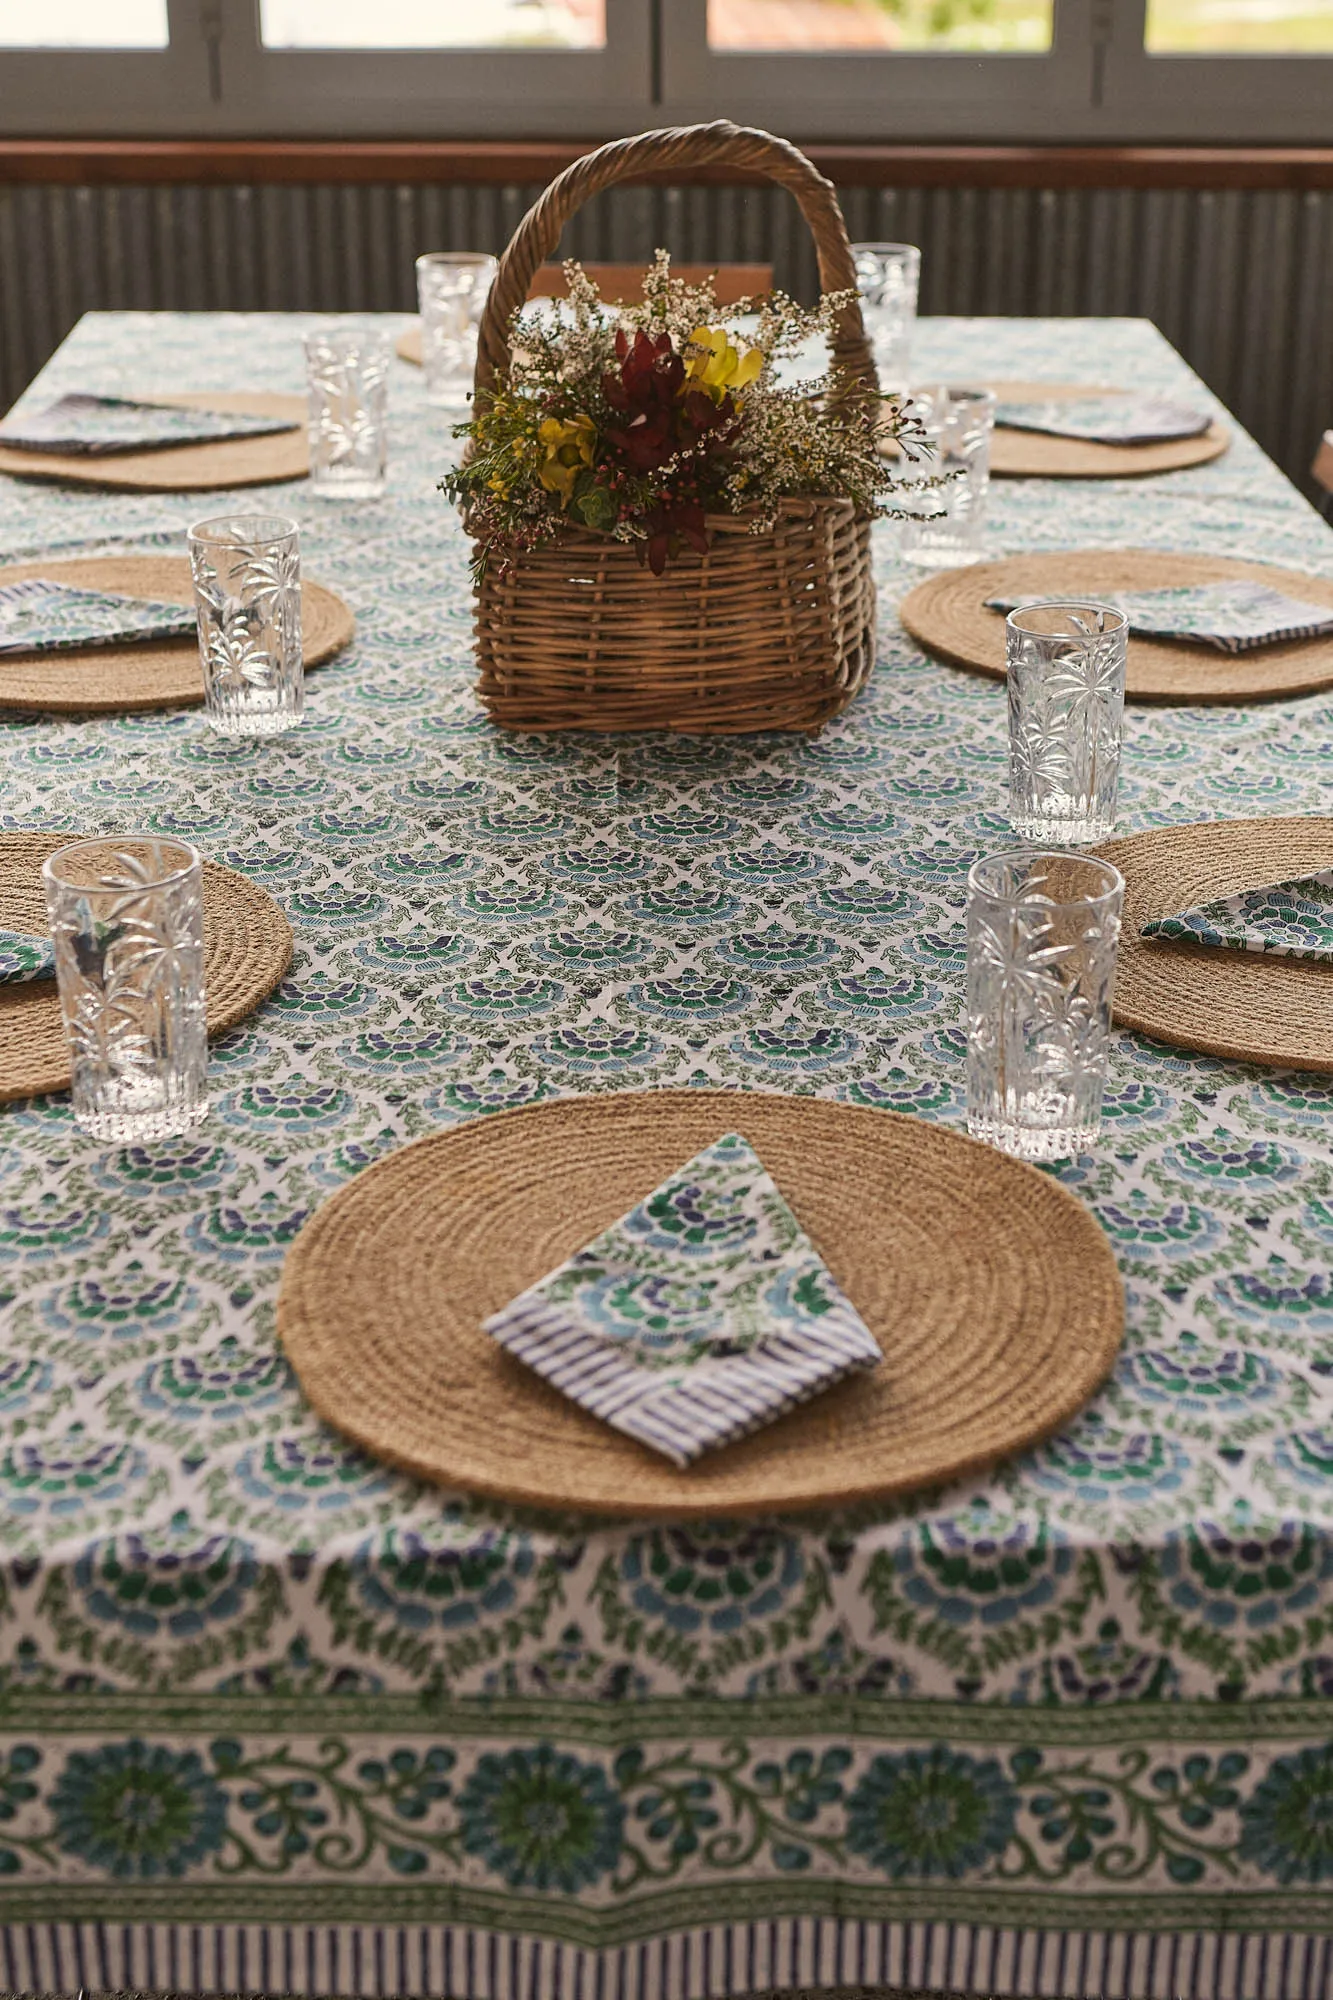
(455,1962)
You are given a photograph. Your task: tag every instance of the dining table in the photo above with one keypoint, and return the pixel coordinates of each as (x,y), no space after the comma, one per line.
(275,1717)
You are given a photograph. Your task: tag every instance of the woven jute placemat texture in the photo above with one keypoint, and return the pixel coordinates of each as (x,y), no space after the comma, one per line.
(947,615)
(991,1290)
(186,468)
(1031,455)
(1254,1005)
(1019,454)
(247,949)
(159,673)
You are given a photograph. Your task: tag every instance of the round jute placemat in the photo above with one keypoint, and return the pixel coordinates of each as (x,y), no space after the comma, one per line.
(1253,1005)
(158,673)
(408,344)
(186,468)
(991,1290)
(1032,455)
(247,949)
(947,615)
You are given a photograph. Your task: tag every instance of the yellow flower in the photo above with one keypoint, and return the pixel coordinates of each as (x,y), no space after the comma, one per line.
(568,447)
(721,367)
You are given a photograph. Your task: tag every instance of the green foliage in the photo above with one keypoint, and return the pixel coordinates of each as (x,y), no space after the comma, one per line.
(644,423)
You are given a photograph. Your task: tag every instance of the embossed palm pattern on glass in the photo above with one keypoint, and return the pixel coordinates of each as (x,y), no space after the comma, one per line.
(1042,931)
(451,292)
(247,593)
(127,926)
(952,452)
(1066,677)
(888,276)
(347,393)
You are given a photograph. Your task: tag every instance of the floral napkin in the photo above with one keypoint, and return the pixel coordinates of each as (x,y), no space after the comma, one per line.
(37,616)
(96,426)
(1235,617)
(1291,919)
(702,1314)
(1123,418)
(23,957)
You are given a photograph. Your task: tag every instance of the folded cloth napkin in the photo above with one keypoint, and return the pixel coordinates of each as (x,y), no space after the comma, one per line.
(24,957)
(1121,418)
(1290,919)
(97,426)
(37,616)
(1235,617)
(702,1314)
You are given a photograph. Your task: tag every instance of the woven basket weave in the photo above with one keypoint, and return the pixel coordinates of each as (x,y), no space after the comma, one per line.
(768,631)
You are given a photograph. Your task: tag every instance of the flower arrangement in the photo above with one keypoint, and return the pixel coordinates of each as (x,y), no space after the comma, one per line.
(641,423)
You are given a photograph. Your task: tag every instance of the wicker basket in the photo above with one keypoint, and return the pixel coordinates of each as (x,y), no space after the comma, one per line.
(768,631)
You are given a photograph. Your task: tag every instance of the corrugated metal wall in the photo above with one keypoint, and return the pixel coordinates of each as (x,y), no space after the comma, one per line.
(1242,282)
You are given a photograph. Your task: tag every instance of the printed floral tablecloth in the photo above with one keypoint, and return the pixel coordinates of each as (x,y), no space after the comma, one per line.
(274,1716)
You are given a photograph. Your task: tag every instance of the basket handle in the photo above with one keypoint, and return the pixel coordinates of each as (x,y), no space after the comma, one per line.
(718,144)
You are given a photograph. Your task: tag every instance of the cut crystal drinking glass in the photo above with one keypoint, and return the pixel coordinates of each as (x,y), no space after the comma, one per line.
(127,925)
(1042,931)
(888,277)
(247,592)
(452,286)
(347,375)
(1066,675)
(947,449)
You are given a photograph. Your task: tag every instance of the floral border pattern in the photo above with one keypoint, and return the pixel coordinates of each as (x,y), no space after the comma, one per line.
(621,1827)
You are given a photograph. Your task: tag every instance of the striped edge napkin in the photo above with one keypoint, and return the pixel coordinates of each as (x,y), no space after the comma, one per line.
(1124,418)
(98,426)
(699,1316)
(1290,919)
(39,616)
(24,957)
(1237,616)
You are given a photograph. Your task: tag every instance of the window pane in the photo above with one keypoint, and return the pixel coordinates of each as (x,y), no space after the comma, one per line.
(1005,25)
(83,24)
(1240,27)
(433,24)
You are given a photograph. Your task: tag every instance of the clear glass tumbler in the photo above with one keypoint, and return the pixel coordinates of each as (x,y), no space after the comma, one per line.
(451,290)
(949,444)
(347,378)
(888,277)
(247,593)
(127,923)
(1042,931)
(1066,705)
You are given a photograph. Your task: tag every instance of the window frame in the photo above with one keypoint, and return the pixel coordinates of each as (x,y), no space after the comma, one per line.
(872,95)
(1098,85)
(80,92)
(217,80)
(503,93)
(1228,99)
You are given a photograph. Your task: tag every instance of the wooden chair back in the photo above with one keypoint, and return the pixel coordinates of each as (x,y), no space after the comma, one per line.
(1322,470)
